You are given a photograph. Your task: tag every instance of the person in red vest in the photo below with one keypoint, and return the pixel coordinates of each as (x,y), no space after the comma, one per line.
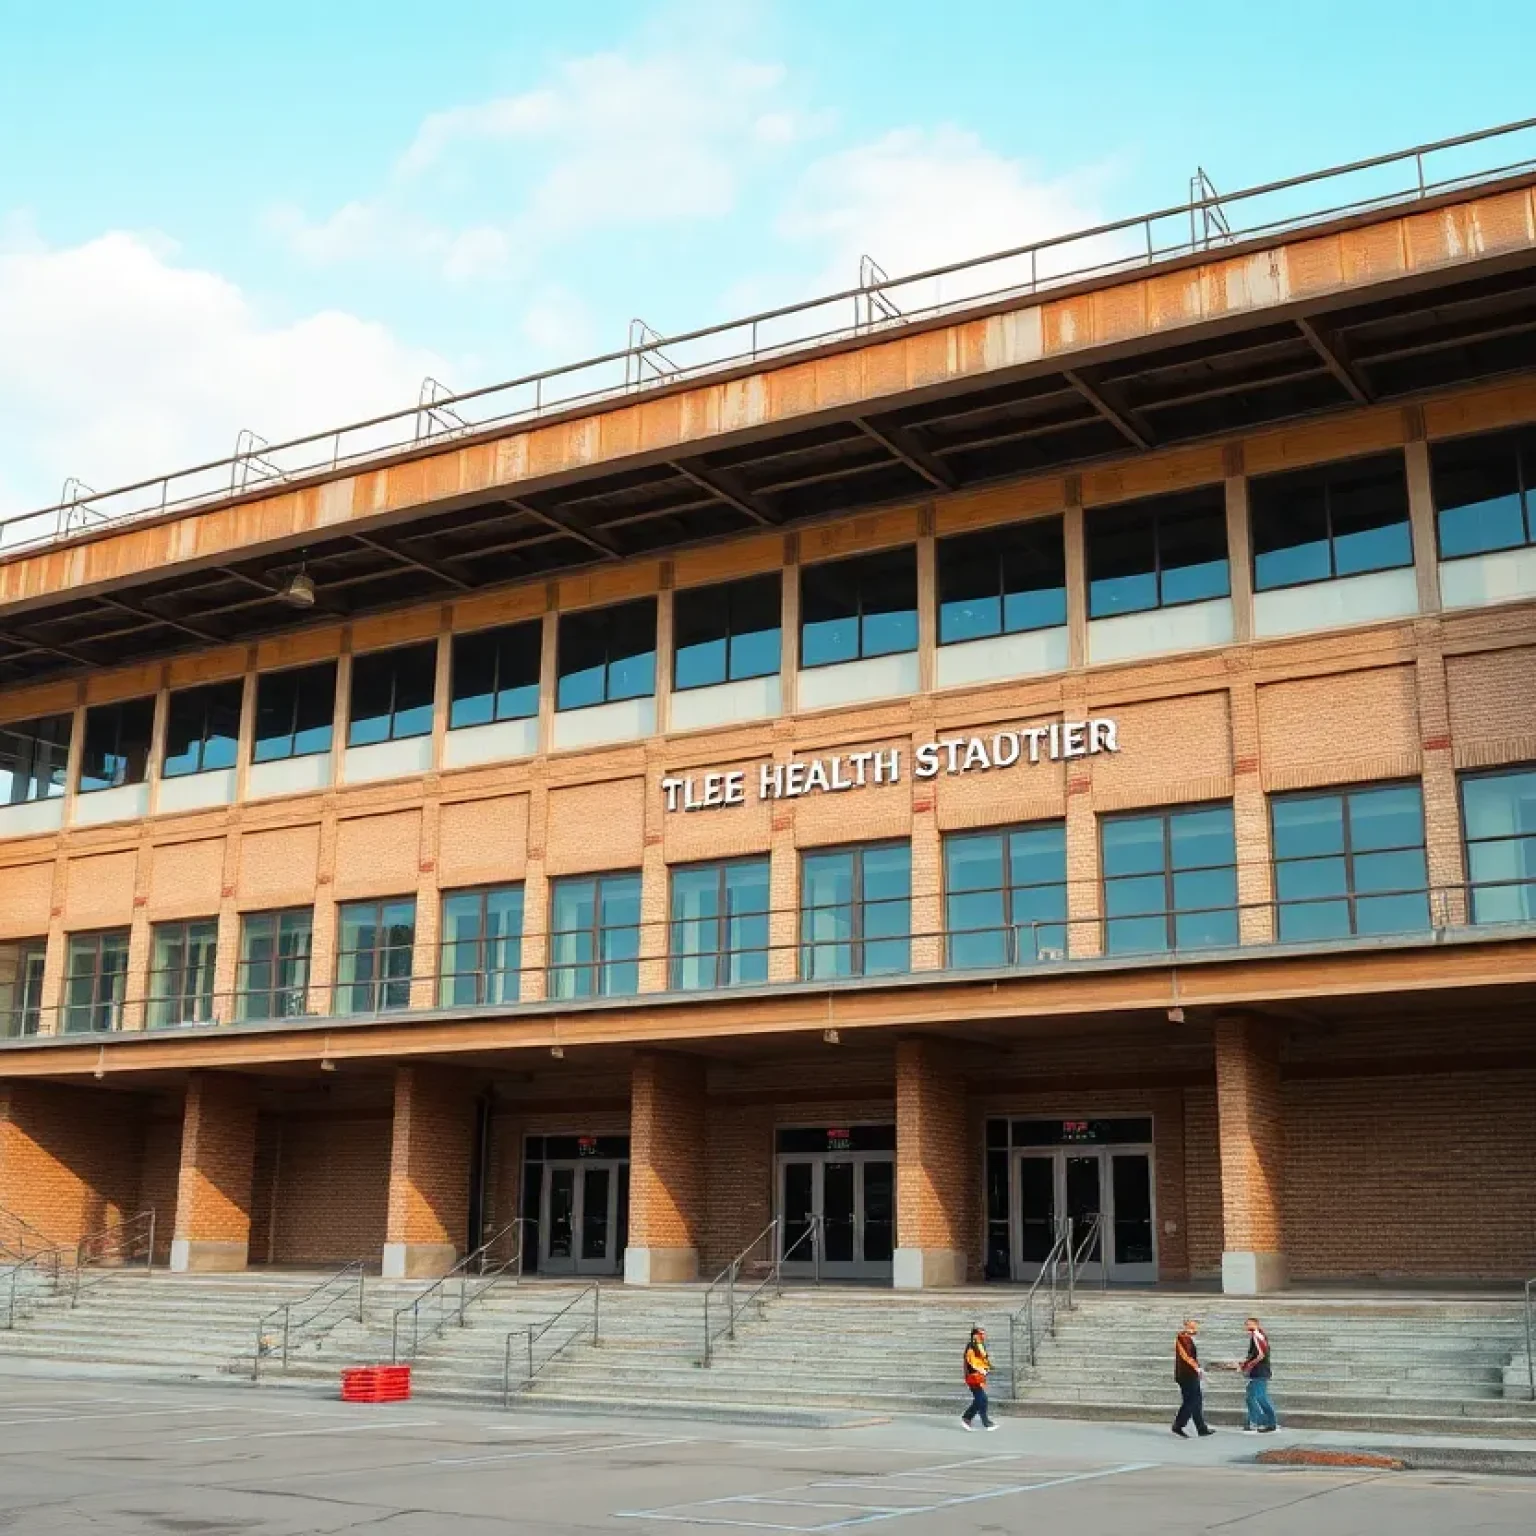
(1188,1373)
(978,1366)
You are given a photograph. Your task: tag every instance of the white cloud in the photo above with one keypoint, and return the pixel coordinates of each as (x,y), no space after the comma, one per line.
(117,363)
(507,117)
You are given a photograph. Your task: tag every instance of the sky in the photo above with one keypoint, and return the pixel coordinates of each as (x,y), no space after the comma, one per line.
(283,217)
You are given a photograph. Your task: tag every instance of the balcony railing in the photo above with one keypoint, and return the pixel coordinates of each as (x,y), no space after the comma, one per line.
(1053,944)
(878,305)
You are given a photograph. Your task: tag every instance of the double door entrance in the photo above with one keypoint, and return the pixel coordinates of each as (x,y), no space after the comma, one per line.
(1110,1185)
(837,1201)
(585,1222)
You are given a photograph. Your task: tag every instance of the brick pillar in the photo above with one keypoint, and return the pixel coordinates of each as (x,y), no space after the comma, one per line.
(1251,1128)
(930,1168)
(666,1170)
(429,1161)
(213,1184)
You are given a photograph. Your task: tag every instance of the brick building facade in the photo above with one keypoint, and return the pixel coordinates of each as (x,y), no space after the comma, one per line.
(1181,883)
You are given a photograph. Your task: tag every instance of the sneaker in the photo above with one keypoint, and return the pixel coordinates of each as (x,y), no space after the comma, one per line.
(1180,1433)
(966,1424)
(1270,1429)
(1250,1429)
(989,1427)
(1205,1432)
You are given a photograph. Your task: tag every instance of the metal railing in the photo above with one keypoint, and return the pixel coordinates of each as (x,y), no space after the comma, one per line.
(1442,913)
(38,1273)
(19,1239)
(447,1299)
(877,303)
(1081,1254)
(310,1316)
(812,1239)
(114,1248)
(1041,1293)
(1530,1337)
(538,1331)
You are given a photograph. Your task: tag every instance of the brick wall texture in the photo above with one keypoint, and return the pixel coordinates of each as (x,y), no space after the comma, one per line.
(430,1157)
(668,1153)
(218,1150)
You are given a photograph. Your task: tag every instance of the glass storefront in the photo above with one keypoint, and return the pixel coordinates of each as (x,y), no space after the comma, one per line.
(575,1204)
(835,1188)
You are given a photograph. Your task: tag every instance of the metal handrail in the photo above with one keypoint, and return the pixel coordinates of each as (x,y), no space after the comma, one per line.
(1126,244)
(536,1331)
(474,1265)
(16,1248)
(48,1263)
(728,1277)
(334,1288)
(814,1234)
(1077,1256)
(119,1240)
(1049,1268)
(1530,1336)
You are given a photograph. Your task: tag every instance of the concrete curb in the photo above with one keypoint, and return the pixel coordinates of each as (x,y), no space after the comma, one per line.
(1417,1458)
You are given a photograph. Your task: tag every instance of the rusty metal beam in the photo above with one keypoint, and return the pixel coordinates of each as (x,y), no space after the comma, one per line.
(719,484)
(416,562)
(31,646)
(150,617)
(590,537)
(903,446)
(1333,359)
(1119,421)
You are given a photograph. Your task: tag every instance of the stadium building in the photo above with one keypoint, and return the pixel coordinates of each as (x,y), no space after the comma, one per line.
(1055,738)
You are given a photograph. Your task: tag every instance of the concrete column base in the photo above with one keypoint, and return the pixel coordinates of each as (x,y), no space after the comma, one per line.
(926,1269)
(190,1256)
(1252,1274)
(660,1266)
(418,1261)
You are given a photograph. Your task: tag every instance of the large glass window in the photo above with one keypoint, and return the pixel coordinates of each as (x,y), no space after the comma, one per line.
(392,693)
(34,757)
(1170,879)
(726,633)
(1005,895)
(496,675)
(1157,553)
(720,925)
(851,609)
(295,712)
(95,981)
(1337,520)
(1002,581)
(595,936)
(21,988)
(1350,861)
(856,911)
(1498,811)
(1485,492)
(181,972)
(482,947)
(275,948)
(373,958)
(116,747)
(606,654)
(202,729)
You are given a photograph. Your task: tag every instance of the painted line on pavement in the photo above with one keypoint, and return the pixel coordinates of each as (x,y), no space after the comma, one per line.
(570,1450)
(337,1429)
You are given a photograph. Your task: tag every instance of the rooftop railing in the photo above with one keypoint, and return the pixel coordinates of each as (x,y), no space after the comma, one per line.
(641,968)
(877,305)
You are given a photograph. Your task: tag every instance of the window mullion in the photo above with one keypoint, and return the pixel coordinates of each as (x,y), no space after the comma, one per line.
(1347,827)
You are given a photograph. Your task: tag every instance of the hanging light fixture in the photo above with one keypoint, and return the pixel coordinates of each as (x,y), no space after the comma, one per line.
(299,590)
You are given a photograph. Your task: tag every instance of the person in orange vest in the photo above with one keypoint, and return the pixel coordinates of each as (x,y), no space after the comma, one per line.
(1188,1373)
(978,1366)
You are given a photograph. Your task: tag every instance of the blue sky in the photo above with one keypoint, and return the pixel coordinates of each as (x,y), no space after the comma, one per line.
(282,216)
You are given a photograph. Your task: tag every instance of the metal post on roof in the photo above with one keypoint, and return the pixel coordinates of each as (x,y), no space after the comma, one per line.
(871,304)
(645,361)
(432,417)
(75,509)
(1205,201)
(248,464)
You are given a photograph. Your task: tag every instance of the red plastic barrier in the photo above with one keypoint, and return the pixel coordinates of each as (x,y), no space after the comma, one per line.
(376,1384)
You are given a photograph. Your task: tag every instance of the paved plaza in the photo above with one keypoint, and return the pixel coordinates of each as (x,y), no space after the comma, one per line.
(84,1454)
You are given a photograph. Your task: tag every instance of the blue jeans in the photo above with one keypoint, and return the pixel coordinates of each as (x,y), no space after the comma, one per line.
(1261,1412)
(978,1406)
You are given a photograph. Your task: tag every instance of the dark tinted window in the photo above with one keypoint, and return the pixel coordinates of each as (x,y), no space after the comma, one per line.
(1002,581)
(725,633)
(850,609)
(34,756)
(1484,490)
(496,675)
(95,981)
(481,946)
(116,747)
(1157,553)
(1337,520)
(1170,879)
(294,712)
(202,729)
(376,940)
(273,979)
(392,694)
(607,654)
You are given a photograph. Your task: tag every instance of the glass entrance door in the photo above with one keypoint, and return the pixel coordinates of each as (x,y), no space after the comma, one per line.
(1113,1184)
(583,1229)
(854,1196)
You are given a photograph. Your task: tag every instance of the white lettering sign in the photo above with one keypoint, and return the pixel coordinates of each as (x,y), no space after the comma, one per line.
(855,770)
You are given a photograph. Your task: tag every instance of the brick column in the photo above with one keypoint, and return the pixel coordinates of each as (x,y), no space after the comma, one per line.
(428,1172)
(666,1170)
(1251,1128)
(213,1184)
(930,1168)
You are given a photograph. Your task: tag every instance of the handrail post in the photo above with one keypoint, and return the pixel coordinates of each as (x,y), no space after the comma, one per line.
(361,1273)
(1530,1355)
(529,1380)
(149,1257)
(287,1319)
(506,1371)
(818,1240)
(730,1301)
(706,1328)
(597,1299)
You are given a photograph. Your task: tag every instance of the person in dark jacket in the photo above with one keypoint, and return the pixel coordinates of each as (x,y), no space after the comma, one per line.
(978,1366)
(1189,1375)
(1258,1368)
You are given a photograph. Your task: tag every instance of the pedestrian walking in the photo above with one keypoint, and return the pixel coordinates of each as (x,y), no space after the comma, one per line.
(978,1366)
(1258,1368)
(1188,1373)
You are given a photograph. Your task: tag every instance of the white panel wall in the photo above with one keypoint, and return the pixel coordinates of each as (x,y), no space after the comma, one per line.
(498,742)
(388,760)
(289,776)
(852,682)
(628,720)
(1336,604)
(1502,577)
(33,816)
(1190,627)
(99,805)
(754,698)
(195,791)
(985,661)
